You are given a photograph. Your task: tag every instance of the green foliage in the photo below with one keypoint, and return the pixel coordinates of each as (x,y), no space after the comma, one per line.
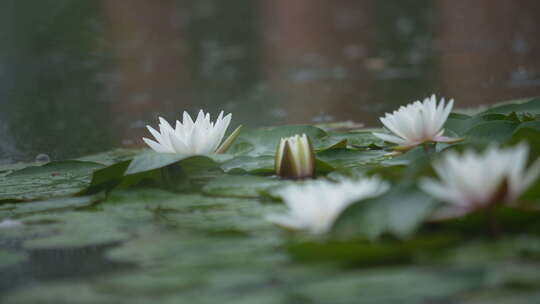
(250,164)
(151,160)
(242,185)
(10,210)
(9,258)
(531,106)
(54,179)
(398,212)
(529,132)
(264,141)
(462,124)
(499,131)
(343,158)
(187,224)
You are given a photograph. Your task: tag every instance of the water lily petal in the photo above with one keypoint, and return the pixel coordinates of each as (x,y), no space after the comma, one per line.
(201,136)
(390,138)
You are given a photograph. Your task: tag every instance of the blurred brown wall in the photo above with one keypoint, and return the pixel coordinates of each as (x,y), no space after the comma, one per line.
(153,56)
(311,47)
(489,49)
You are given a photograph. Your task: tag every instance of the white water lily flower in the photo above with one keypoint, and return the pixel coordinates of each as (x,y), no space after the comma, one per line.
(315,205)
(417,123)
(188,137)
(475,180)
(295,157)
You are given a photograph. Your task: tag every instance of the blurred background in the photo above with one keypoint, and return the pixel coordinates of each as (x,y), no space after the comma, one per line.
(78,77)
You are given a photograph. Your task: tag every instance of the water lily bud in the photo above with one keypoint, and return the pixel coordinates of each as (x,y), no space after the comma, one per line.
(295,157)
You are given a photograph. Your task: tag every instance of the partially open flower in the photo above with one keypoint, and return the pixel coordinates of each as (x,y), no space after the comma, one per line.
(417,123)
(295,157)
(188,137)
(476,180)
(315,205)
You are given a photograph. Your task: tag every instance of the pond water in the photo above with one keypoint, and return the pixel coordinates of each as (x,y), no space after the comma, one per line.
(84,77)
(78,78)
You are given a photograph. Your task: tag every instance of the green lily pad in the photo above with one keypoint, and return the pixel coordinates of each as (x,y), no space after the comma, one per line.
(250,164)
(528,132)
(408,285)
(398,212)
(461,126)
(498,131)
(17,209)
(242,185)
(264,141)
(9,258)
(209,242)
(491,252)
(264,165)
(153,160)
(107,178)
(358,139)
(111,157)
(501,296)
(523,106)
(343,158)
(497,220)
(71,292)
(54,179)
(75,230)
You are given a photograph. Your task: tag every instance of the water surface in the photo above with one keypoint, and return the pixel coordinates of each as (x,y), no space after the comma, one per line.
(82,77)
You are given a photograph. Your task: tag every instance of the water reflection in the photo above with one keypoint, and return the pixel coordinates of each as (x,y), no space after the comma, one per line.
(83,77)
(59,264)
(490,50)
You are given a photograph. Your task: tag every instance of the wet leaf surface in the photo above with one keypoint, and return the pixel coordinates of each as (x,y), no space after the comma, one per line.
(54,179)
(192,229)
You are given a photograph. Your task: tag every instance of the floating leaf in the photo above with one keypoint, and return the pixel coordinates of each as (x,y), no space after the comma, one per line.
(153,160)
(343,158)
(522,106)
(501,296)
(242,185)
(111,157)
(54,179)
(9,258)
(250,164)
(17,209)
(107,178)
(408,285)
(70,232)
(499,131)
(398,212)
(528,132)
(265,140)
(461,126)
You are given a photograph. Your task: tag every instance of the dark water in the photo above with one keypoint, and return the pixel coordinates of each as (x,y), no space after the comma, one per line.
(83,76)
(58,264)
